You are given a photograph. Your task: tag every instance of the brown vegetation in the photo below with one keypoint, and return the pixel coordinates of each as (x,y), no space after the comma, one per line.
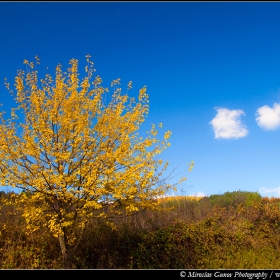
(231,231)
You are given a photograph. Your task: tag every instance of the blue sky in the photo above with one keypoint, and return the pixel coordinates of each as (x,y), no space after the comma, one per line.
(212,71)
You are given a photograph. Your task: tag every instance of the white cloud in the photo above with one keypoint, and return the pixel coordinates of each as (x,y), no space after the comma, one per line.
(268,118)
(227,124)
(198,194)
(273,192)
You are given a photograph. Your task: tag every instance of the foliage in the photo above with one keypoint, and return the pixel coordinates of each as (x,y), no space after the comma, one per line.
(212,237)
(234,198)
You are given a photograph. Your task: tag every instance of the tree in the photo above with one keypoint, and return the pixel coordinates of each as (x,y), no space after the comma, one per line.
(76,158)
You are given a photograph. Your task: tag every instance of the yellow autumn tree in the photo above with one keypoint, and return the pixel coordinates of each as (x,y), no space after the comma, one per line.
(76,158)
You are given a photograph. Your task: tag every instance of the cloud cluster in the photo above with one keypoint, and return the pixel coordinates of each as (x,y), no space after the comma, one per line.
(227,123)
(268,118)
(265,191)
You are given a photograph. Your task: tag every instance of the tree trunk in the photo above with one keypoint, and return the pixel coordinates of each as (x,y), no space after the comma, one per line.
(68,253)
(67,256)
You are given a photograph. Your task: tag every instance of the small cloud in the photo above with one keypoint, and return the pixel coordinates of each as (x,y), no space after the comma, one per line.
(268,118)
(198,194)
(227,124)
(272,192)
(166,195)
